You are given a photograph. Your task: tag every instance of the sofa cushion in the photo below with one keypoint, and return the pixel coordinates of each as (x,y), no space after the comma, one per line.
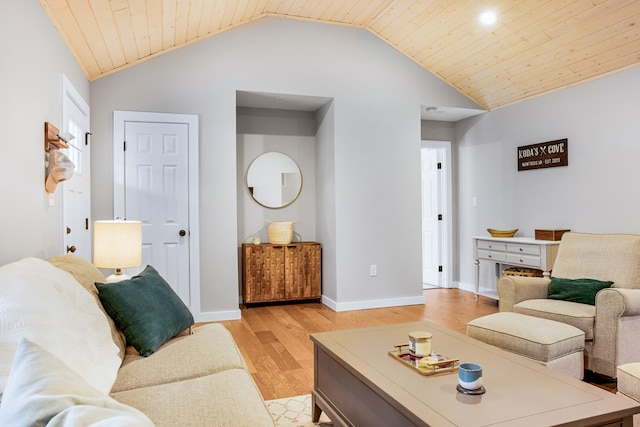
(582,316)
(49,307)
(208,350)
(577,290)
(145,309)
(226,399)
(42,389)
(82,270)
(614,257)
(87,275)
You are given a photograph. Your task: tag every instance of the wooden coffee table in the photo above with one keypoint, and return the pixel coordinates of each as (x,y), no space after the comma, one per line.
(357,383)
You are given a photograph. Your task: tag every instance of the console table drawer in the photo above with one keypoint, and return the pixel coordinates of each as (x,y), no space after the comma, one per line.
(491,255)
(523,249)
(494,246)
(528,260)
(516,252)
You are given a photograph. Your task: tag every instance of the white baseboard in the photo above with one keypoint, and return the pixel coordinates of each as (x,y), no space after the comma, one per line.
(217,316)
(466,286)
(366,304)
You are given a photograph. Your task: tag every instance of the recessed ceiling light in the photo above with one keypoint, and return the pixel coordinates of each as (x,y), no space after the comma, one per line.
(487,18)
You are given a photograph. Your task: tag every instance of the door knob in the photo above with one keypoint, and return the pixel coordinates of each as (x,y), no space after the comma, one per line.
(71,249)
(182,233)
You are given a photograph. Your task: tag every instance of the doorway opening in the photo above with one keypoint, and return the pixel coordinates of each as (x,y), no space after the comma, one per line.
(436,214)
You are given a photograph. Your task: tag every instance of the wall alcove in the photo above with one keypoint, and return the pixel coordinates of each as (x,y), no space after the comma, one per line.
(288,124)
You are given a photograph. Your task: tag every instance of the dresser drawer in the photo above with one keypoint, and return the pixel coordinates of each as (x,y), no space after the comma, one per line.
(523,249)
(494,246)
(528,260)
(492,255)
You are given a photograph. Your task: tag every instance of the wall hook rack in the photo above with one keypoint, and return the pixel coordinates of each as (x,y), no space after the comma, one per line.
(52,137)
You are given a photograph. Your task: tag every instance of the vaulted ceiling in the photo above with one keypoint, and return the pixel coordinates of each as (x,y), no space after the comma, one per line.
(535,47)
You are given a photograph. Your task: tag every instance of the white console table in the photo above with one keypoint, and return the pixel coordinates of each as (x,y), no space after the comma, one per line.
(513,251)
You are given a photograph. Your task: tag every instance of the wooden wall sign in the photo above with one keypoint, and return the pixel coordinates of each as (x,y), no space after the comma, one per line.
(544,155)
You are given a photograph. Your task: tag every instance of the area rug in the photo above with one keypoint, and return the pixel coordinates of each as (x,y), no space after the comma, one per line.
(294,412)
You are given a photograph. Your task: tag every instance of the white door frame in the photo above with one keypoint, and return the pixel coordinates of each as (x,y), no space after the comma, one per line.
(191,120)
(70,95)
(447,205)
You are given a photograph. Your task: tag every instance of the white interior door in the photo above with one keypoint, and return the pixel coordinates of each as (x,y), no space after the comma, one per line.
(431,217)
(149,184)
(76,192)
(157,193)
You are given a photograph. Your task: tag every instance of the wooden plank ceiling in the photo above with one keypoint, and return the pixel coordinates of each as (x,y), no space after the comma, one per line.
(535,47)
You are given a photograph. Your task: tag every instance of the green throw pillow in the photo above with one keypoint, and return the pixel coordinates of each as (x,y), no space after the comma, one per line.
(576,290)
(145,309)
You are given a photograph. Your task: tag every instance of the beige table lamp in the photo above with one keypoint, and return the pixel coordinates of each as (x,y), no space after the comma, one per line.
(117,244)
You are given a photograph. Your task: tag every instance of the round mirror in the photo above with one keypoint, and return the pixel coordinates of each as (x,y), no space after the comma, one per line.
(274,180)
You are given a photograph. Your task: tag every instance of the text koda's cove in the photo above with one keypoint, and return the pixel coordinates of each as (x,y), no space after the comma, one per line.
(543,155)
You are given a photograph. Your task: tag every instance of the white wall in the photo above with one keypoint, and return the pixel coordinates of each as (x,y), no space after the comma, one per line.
(437,131)
(367,143)
(596,192)
(34,58)
(373,214)
(326,198)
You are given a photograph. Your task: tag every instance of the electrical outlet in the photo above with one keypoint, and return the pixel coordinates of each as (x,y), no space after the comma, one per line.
(373,270)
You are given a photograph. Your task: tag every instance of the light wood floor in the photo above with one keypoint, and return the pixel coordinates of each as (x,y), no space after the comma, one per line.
(274,340)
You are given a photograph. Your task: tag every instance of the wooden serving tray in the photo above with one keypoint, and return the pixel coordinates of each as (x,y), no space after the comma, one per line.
(432,365)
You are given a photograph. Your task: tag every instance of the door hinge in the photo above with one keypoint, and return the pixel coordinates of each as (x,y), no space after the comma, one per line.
(86,137)
(439,165)
(124,145)
(439,217)
(439,269)
(86,223)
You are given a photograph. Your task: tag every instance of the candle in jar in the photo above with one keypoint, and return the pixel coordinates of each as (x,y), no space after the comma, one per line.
(420,343)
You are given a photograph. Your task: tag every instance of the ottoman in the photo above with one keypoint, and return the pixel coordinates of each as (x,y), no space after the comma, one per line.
(555,345)
(629,384)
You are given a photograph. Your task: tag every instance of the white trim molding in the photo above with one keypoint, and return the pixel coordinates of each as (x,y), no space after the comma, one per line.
(376,303)
(218,316)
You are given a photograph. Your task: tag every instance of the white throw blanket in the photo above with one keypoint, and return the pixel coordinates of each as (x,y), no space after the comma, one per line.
(49,307)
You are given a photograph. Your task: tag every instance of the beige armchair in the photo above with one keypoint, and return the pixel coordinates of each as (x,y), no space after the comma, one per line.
(612,325)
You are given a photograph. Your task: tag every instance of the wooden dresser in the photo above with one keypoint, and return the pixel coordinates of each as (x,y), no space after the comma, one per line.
(281,272)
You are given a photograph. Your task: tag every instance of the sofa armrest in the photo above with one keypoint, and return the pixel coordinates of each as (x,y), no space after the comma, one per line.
(617,302)
(631,298)
(615,329)
(513,289)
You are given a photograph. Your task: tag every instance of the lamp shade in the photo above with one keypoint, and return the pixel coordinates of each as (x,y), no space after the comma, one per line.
(117,244)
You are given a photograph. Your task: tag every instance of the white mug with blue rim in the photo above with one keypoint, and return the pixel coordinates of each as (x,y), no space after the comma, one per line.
(470,376)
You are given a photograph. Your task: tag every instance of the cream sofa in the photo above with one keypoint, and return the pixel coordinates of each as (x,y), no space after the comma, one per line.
(197,378)
(612,324)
